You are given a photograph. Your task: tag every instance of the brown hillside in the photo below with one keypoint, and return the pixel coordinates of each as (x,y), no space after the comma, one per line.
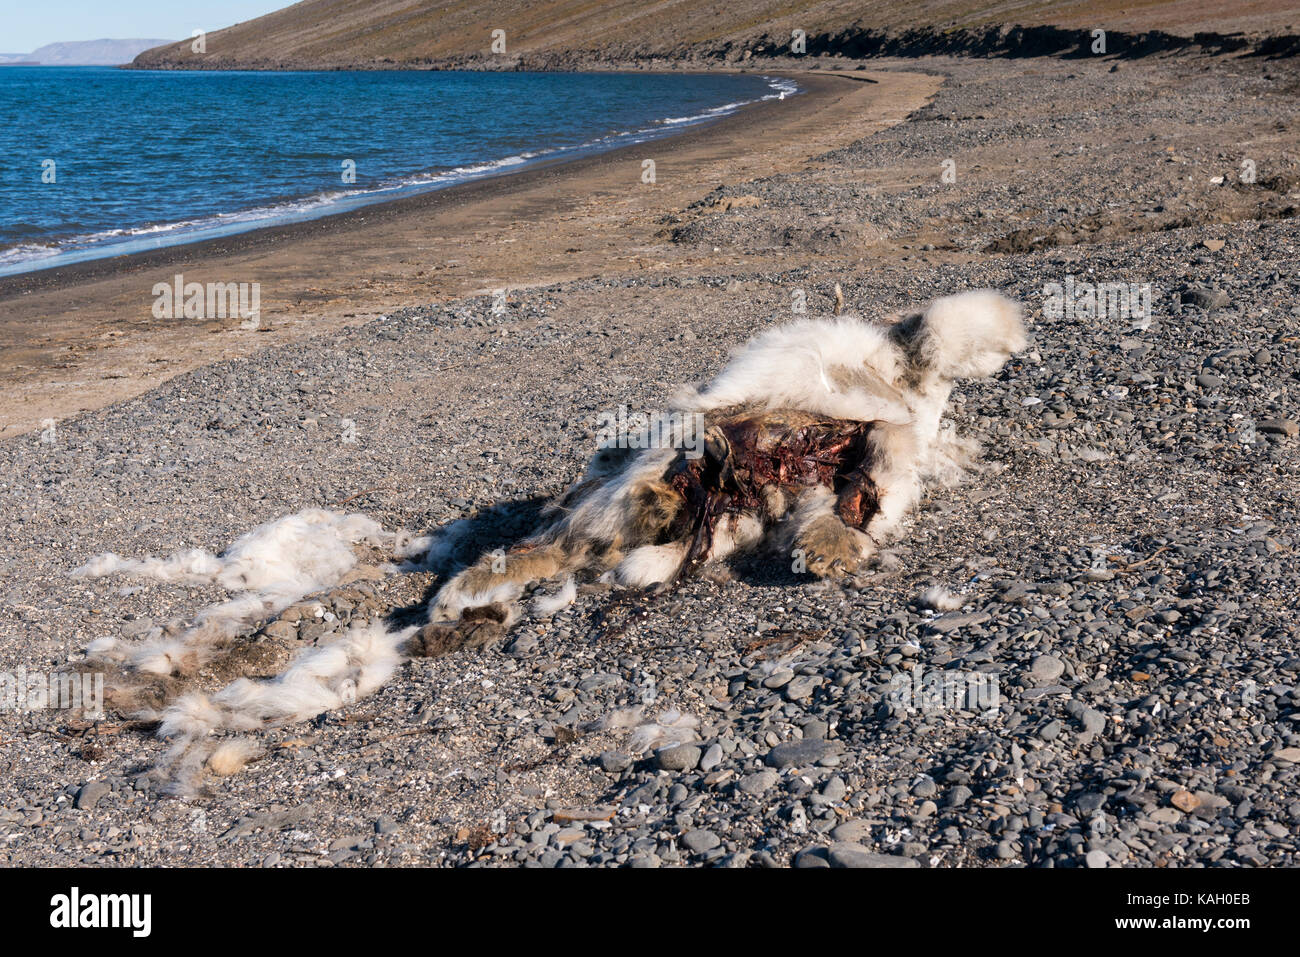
(340,33)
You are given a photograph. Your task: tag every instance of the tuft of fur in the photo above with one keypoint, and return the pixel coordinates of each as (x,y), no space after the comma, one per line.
(319,679)
(548,605)
(970,335)
(229,757)
(670,728)
(620,719)
(266,569)
(304,548)
(843,367)
(650,565)
(940,599)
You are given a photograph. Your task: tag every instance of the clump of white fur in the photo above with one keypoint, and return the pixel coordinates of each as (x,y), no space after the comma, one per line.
(940,599)
(300,549)
(267,569)
(547,605)
(650,564)
(970,335)
(619,719)
(671,727)
(842,367)
(318,679)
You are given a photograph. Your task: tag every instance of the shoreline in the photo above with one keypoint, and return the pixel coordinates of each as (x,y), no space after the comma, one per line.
(20,284)
(360,199)
(81,336)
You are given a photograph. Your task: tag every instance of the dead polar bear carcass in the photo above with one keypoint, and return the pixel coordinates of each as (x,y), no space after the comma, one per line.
(819,439)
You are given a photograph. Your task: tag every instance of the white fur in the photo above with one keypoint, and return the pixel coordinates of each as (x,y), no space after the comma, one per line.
(735,533)
(620,719)
(268,568)
(650,565)
(972,333)
(842,367)
(672,727)
(229,757)
(448,605)
(548,605)
(940,599)
(303,548)
(319,679)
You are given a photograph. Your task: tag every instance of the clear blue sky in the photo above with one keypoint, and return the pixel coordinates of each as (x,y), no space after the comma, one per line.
(26,25)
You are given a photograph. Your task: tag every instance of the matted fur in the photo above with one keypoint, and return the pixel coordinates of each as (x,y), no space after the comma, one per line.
(266,569)
(896,376)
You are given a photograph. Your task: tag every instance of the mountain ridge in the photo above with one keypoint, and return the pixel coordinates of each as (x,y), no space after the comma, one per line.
(103,52)
(560,34)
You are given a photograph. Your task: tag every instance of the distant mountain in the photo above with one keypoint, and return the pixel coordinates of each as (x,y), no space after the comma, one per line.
(90,52)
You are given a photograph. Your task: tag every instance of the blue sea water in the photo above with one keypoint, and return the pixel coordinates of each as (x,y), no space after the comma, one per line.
(142,159)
